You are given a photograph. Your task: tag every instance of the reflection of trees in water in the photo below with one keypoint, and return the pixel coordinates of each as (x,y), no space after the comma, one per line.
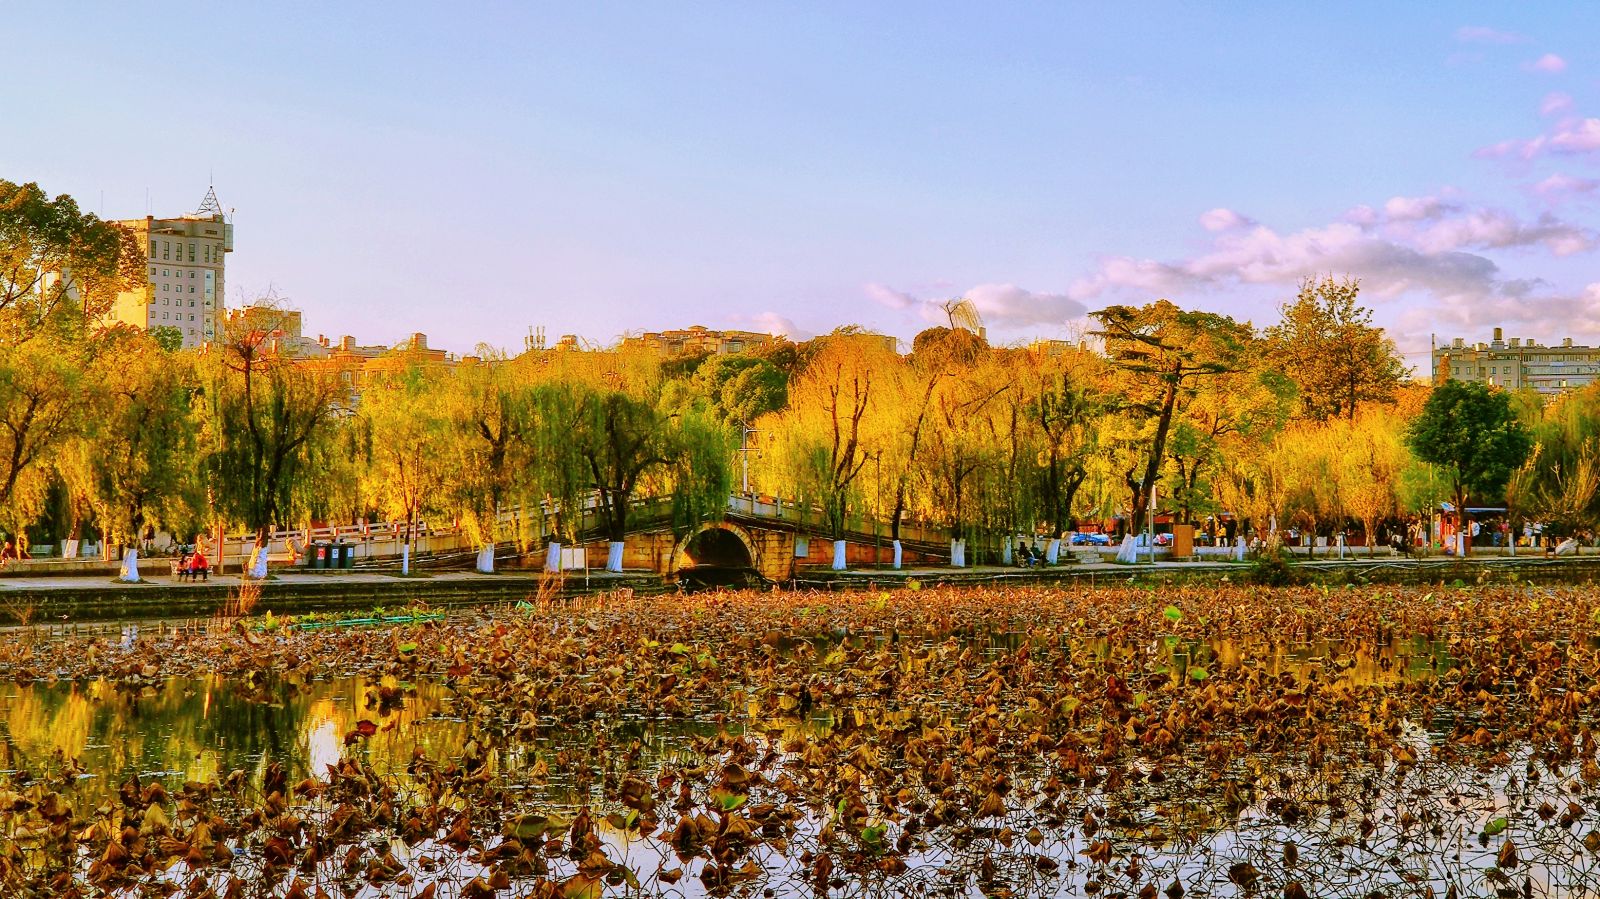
(203,728)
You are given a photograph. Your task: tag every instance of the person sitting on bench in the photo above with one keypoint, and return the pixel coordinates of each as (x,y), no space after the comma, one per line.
(198,568)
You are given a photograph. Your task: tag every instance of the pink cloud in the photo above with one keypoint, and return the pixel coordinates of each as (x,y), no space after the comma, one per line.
(1555,102)
(1002,305)
(1550,64)
(1221,219)
(1411,209)
(1479,34)
(1559,186)
(1570,136)
(773,323)
(888,296)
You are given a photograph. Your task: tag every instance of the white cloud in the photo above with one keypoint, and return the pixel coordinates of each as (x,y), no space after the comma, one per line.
(1423,245)
(1007,305)
(1222,219)
(1550,64)
(888,296)
(1001,305)
(1479,34)
(773,323)
(1555,102)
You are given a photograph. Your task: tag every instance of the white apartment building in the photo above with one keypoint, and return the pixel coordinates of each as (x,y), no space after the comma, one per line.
(186,269)
(1518,363)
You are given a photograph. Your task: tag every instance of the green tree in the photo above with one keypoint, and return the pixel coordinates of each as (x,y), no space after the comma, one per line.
(1163,351)
(629,446)
(1470,432)
(60,272)
(1327,344)
(489,466)
(167,337)
(265,417)
(138,453)
(56,261)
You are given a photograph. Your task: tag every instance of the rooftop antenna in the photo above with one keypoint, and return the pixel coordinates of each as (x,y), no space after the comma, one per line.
(209,206)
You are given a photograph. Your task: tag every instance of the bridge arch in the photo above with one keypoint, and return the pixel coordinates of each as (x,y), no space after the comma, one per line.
(718,543)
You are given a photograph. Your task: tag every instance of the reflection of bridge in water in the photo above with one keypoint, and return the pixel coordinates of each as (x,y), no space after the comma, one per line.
(771,536)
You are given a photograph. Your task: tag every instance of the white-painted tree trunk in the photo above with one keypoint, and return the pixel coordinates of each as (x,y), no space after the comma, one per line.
(1239,546)
(258,564)
(958,553)
(130,566)
(897,555)
(485,564)
(841,559)
(1052,553)
(69,549)
(1005,552)
(405,558)
(552,557)
(614,555)
(1129,550)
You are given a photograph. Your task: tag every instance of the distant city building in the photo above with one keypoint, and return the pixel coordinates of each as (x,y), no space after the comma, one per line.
(1518,363)
(699,340)
(186,271)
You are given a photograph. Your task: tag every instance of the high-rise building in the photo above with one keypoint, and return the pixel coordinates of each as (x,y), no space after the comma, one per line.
(1518,363)
(186,273)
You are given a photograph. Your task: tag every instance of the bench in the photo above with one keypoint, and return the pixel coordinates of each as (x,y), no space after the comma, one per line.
(183,572)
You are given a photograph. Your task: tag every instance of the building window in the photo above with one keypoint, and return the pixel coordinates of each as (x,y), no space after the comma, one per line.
(191,290)
(164,288)
(163,316)
(191,251)
(166,250)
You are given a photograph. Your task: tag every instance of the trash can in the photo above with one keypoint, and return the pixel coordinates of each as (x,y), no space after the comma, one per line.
(319,556)
(347,561)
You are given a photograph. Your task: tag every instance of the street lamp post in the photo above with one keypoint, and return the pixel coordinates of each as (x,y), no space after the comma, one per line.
(745,449)
(1150,525)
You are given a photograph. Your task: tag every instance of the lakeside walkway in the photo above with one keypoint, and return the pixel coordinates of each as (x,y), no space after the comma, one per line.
(100,597)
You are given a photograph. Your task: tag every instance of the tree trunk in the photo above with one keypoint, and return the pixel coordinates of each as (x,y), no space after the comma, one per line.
(897,555)
(485,561)
(614,556)
(841,559)
(1153,468)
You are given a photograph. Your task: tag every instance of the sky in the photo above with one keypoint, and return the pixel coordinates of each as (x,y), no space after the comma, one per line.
(477,170)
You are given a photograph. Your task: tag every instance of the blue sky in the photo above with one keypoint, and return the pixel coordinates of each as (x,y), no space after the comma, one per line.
(474,170)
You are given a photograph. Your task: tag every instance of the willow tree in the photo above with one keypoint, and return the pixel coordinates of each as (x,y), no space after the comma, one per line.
(138,453)
(1064,403)
(1559,482)
(264,415)
(834,425)
(60,272)
(402,430)
(631,449)
(488,465)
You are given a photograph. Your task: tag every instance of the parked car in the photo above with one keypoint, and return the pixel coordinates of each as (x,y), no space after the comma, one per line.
(1083,538)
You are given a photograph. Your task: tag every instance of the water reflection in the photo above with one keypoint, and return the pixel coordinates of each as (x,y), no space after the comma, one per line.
(203,728)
